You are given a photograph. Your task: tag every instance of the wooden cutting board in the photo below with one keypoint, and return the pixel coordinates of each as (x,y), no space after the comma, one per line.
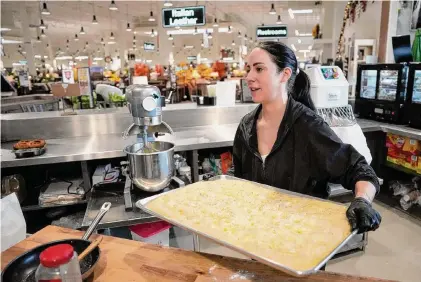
(129,261)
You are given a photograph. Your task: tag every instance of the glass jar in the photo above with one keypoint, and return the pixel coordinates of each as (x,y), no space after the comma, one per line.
(58,263)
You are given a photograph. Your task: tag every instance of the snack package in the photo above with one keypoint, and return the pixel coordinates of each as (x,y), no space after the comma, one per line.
(226,162)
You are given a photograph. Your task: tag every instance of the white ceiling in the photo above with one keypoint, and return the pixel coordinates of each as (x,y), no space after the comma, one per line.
(67,17)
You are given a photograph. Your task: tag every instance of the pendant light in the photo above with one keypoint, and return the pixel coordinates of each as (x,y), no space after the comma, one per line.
(134,38)
(94,21)
(112,36)
(42,25)
(272,10)
(215,22)
(245,37)
(113,6)
(86,44)
(102,41)
(170,37)
(38,39)
(233,43)
(173,44)
(43,33)
(45,10)
(151,18)
(229,29)
(153,33)
(279,21)
(239,34)
(82,31)
(128,28)
(210,35)
(76,37)
(167,3)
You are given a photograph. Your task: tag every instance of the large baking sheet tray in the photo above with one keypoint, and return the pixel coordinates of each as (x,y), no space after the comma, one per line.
(141,204)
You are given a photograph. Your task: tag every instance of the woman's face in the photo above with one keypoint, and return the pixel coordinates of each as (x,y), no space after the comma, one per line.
(263,78)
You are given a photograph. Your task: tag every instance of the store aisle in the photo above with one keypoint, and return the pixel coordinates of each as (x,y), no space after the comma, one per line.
(393,251)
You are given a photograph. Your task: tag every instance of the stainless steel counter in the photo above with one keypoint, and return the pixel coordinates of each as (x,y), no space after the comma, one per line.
(111,146)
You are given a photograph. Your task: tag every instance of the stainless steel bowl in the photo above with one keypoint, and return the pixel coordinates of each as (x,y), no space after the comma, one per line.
(151,171)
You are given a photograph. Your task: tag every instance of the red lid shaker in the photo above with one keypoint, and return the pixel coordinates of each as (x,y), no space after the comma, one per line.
(57,255)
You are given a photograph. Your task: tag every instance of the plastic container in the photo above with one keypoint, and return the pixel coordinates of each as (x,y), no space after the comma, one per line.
(157,233)
(185,171)
(12,223)
(58,263)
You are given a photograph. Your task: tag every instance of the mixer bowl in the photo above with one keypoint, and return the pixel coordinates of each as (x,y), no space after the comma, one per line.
(152,171)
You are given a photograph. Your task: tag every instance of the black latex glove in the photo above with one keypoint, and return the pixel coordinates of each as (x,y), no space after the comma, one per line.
(362,216)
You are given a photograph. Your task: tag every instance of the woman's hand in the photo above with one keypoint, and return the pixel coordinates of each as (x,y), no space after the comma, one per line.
(362,216)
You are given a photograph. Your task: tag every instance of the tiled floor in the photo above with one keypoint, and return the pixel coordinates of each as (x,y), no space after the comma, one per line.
(393,251)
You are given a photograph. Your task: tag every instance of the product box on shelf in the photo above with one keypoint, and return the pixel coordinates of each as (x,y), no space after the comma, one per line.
(404,151)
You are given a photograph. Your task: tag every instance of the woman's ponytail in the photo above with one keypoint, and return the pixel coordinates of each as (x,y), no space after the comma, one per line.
(301,89)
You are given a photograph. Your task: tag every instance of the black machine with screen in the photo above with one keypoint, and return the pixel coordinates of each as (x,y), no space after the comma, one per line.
(413,106)
(381,92)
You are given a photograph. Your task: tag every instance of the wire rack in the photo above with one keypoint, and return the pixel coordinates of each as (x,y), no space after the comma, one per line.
(338,116)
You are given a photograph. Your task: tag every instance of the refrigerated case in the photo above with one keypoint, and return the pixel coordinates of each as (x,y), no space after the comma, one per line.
(381,92)
(414,95)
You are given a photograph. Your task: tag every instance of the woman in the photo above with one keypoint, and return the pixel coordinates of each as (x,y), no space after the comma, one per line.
(285,144)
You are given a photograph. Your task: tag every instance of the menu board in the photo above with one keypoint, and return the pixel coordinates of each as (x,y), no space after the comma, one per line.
(388,85)
(368,84)
(330,73)
(416,92)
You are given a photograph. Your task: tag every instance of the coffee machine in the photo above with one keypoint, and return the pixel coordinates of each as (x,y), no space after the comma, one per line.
(150,166)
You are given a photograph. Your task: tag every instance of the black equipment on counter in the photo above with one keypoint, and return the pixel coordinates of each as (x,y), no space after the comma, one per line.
(206,101)
(402,49)
(413,96)
(381,92)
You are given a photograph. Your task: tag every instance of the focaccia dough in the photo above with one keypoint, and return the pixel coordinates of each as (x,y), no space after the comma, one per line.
(293,231)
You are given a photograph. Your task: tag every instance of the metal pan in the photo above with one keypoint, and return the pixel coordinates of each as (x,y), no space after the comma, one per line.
(141,205)
(22,268)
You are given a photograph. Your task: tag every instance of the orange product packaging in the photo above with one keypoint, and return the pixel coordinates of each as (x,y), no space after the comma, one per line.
(226,162)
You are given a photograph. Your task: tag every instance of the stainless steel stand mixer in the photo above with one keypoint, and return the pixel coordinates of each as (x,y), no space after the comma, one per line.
(150,162)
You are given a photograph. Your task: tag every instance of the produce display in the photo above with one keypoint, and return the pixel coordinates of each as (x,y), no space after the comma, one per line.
(292,231)
(116,98)
(141,69)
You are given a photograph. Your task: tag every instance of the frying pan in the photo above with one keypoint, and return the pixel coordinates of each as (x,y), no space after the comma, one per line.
(22,268)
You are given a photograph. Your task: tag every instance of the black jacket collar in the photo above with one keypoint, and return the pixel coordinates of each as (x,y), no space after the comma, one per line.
(293,111)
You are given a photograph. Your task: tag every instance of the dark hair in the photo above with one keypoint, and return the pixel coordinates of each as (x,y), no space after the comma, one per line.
(299,82)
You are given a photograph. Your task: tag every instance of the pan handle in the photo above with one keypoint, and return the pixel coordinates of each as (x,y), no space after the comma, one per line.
(105,207)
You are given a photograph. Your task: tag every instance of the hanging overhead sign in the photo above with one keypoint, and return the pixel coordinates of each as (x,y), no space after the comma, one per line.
(147,46)
(272,32)
(183,16)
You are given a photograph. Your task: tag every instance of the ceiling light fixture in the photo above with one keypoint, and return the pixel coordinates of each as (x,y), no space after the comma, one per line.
(128,28)
(215,23)
(272,9)
(195,30)
(233,43)
(152,33)
(279,21)
(173,44)
(82,31)
(38,39)
(94,21)
(134,38)
(229,29)
(210,36)
(296,32)
(167,4)
(45,10)
(112,36)
(304,11)
(43,33)
(113,6)
(239,34)
(76,37)
(299,40)
(151,18)
(310,47)
(42,25)
(245,37)
(170,37)
(291,13)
